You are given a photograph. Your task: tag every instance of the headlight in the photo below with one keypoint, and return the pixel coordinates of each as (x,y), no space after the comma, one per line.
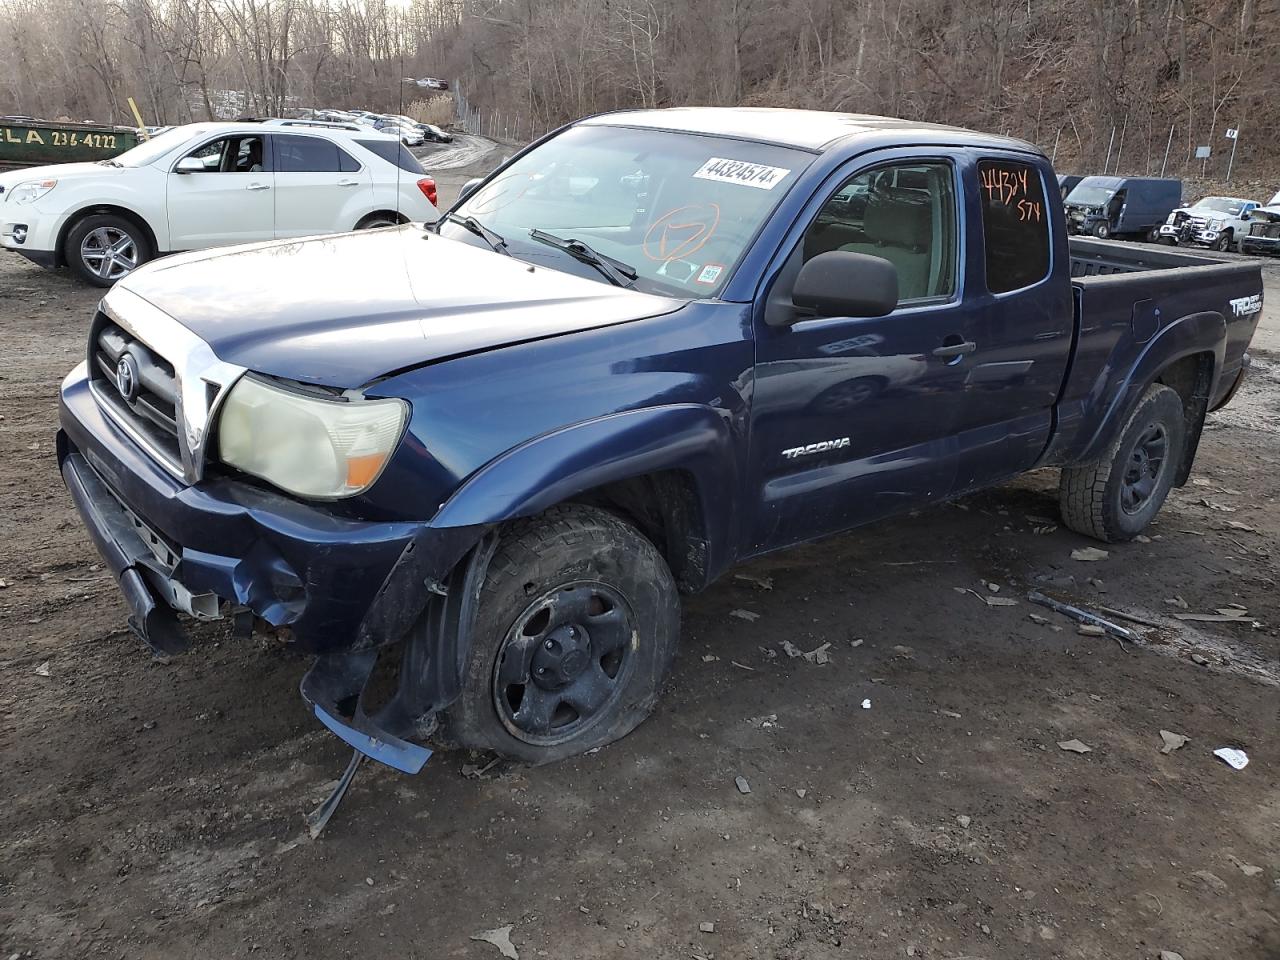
(306,445)
(1217,224)
(1171,219)
(29,191)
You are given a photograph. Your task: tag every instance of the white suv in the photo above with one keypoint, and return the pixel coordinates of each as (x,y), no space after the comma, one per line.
(209,185)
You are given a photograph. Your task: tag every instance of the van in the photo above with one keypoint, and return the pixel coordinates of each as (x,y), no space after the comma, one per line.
(1121,206)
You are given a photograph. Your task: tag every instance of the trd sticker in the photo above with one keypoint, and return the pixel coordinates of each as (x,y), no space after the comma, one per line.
(711,273)
(1245,306)
(739,171)
(813,448)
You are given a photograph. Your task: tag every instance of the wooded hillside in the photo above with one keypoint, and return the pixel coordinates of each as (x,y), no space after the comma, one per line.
(1087,77)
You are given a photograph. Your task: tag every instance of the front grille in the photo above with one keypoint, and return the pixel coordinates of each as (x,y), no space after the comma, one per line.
(1271,230)
(152,410)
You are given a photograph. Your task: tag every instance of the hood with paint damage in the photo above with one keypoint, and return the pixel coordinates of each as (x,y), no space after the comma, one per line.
(344,310)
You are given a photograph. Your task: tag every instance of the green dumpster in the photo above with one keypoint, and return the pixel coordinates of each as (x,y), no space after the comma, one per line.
(25,142)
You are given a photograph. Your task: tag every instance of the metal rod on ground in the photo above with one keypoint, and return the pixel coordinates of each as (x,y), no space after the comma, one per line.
(1083,616)
(1054,158)
(1168,147)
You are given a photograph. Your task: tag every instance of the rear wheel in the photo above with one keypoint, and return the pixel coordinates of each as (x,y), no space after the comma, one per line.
(575,632)
(104,248)
(1114,499)
(383,218)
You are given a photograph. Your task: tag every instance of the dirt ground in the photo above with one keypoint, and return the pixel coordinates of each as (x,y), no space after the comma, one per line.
(154,810)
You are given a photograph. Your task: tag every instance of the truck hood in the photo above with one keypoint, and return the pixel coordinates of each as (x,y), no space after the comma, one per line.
(347,309)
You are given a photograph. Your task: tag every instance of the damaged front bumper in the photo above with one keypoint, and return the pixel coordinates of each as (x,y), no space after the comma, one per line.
(343,588)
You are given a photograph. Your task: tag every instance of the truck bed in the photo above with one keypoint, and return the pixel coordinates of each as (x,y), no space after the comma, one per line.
(1096,258)
(1126,299)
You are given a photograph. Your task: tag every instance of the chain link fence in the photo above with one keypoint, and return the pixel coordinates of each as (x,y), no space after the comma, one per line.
(495,124)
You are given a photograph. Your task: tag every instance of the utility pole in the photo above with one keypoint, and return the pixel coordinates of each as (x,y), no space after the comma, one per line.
(1234,136)
(1167,148)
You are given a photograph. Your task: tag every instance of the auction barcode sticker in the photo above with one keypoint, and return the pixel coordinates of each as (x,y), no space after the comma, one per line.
(739,171)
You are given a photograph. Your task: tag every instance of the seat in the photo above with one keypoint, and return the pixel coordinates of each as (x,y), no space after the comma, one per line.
(898,227)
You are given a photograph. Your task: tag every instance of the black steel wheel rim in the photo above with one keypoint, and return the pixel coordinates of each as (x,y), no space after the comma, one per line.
(1145,467)
(564,662)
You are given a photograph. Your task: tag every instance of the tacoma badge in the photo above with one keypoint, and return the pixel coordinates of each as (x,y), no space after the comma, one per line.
(823,447)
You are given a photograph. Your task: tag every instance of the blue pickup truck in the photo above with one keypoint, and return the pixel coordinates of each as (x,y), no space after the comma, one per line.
(489,454)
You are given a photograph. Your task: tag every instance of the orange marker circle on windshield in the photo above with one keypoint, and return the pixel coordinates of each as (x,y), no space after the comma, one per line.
(681,232)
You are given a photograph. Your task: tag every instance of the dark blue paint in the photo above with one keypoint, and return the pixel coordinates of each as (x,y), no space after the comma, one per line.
(528,389)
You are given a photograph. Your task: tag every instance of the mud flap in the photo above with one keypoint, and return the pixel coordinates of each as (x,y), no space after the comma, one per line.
(430,670)
(335,688)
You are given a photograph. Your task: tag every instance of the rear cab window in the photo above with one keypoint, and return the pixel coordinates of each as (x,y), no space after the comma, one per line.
(1015,224)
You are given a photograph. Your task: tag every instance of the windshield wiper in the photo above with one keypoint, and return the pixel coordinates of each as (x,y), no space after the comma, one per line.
(111,163)
(618,273)
(495,241)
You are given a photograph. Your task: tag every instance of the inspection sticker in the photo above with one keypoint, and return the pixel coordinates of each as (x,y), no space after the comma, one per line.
(739,171)
(710,273)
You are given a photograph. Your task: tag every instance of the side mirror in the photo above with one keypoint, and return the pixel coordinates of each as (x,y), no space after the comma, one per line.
(190,165)
(841,283)
(469,188)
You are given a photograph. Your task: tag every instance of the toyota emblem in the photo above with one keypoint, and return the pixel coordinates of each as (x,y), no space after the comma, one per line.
(127,377)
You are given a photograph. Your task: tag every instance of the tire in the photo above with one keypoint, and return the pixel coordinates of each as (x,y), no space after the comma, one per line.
(1102,231)
(375,220)
(127,245)
(1115,499)
(576,629)
(1153,235)
(1223,243)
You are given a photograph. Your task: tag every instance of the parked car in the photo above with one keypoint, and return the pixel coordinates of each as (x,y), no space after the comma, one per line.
(1213,222)
(410,136)
(436,134)
(1264,230)
(505,452)
(209,185)
(1121,206)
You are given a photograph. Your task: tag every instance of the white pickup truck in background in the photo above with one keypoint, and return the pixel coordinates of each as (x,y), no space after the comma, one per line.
(1216,222)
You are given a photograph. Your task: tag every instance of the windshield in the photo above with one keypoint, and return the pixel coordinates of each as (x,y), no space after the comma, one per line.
(1090,195)
(151,150)
(1221,205)
(677,208)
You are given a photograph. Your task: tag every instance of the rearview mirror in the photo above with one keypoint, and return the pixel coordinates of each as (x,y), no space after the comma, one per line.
(469,188)
(841,283)
(190,165)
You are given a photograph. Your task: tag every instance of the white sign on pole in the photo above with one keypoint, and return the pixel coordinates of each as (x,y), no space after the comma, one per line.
(1232,133)
(1202,153)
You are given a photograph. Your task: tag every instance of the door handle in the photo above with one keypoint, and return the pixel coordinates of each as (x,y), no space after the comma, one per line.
(957,348)
(348,183)
(257,186)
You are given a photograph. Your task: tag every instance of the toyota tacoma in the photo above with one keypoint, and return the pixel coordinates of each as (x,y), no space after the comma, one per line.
(650,346)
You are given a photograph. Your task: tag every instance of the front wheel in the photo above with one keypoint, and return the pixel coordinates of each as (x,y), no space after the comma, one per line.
(1114,499)
(1223,243)
(1102,231)
(104,248)
(575,632)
